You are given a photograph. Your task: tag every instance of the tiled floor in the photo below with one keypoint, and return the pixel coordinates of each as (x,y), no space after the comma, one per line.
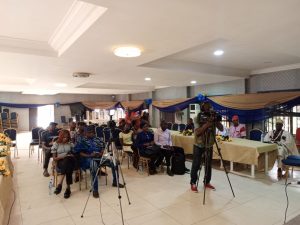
(156,200)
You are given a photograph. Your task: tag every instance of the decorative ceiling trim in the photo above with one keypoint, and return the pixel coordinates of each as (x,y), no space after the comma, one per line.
(276,68)
(80,17)
(18,45)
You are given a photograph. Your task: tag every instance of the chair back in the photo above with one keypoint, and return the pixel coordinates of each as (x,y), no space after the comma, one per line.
(116,139)
(11,133)
(175,126)
(4,116)
(13,116)
(35,133)
(182,127)
(99,132)
(298,134)
(255,134)
(169,125)
(40,133)
(107,134)
(63,119)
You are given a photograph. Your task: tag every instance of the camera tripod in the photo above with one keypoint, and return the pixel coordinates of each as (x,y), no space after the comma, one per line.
(208,152)
(103,162)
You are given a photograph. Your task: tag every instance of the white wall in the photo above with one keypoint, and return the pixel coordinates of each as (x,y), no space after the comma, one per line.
(275,81)
(224,88)
(62,111)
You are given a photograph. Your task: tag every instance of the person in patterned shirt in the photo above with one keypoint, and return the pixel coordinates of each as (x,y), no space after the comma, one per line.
(237,130)
(91,150)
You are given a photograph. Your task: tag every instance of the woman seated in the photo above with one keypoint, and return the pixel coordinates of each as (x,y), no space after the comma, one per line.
(144,142)
(126,138)
(64,160)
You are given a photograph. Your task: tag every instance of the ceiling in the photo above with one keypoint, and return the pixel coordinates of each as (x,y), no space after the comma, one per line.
(43,43)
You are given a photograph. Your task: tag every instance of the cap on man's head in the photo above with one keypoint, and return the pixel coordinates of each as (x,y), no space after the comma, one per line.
(53,124)
(235,118)
(280,121)
(90,128)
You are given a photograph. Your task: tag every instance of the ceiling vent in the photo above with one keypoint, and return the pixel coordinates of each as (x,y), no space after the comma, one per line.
(81,74)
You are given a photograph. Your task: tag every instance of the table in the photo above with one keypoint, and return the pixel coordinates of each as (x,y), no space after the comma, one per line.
(254,153)
(5,192)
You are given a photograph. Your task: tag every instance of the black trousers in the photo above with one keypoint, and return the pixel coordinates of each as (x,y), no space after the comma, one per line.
(167,154)
(66,167)
(154,155)
(48,155)
(198,160)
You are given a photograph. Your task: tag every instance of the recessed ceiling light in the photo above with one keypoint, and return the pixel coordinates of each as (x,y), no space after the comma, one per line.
(193,82)
(148,78)
(127,52)
(218,52)
(60,85)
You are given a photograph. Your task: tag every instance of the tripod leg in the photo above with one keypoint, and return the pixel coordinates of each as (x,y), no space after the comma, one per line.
(97,172)
(206,158)
(119,194)
(119,167)
(226,172)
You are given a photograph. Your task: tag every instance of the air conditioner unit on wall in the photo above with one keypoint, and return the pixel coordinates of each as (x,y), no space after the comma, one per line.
(194,110)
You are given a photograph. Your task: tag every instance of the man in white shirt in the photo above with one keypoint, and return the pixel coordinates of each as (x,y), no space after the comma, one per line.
(285,141)
(162,138)
(237,130)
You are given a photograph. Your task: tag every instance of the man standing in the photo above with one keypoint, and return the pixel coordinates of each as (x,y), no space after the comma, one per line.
(47,142)
(237,130)
(285,141)
(162,138)
(204,140)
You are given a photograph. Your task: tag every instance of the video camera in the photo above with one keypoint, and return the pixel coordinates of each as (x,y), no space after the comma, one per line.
(211,116)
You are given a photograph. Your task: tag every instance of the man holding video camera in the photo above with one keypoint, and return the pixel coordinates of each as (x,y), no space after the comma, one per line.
(208,120)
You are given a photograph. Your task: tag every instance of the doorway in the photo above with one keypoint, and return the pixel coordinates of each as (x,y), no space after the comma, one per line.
(45,115)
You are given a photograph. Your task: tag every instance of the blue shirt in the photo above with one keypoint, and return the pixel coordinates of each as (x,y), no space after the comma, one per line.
(88,146)
(142,138)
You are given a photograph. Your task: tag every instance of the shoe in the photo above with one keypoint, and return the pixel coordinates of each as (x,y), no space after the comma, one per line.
(46,174)
(210,186)
(67,193)
(194,188)
(95,194)
(58,189)
(187,170)
(152,172)
(169,172)
(120,185)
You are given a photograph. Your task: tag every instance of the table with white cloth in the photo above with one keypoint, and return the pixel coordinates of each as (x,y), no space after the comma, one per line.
(254,153)
(5,191)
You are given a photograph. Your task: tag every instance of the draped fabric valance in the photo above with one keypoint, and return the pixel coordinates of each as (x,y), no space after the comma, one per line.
(254,101)
(101,105)
(12,105)
(133,105)
(174,105)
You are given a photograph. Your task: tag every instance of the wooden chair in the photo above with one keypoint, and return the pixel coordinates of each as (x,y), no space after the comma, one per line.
(127,153)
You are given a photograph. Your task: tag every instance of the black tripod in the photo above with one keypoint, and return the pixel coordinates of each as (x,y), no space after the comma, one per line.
(208,151)
(109,157)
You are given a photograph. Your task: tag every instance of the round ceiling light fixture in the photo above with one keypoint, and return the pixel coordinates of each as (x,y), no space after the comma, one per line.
(147,78)
(127,52)
(218,52)
(193,82)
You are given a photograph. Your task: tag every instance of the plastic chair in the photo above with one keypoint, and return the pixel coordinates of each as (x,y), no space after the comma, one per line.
(291,161)
(255,134)
(34,139)
(12,134)
(169,125)
(175,126)
(99,132)
(297,139)
(182,127)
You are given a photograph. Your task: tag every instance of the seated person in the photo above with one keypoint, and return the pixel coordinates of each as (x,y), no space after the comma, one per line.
(122,124)
(237,130)
(285,141)
(47,138)
(162,138)
(126,138)
(72,127)
(91,149)
(135,124)
(190,125)
(144,143)
(64,159)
